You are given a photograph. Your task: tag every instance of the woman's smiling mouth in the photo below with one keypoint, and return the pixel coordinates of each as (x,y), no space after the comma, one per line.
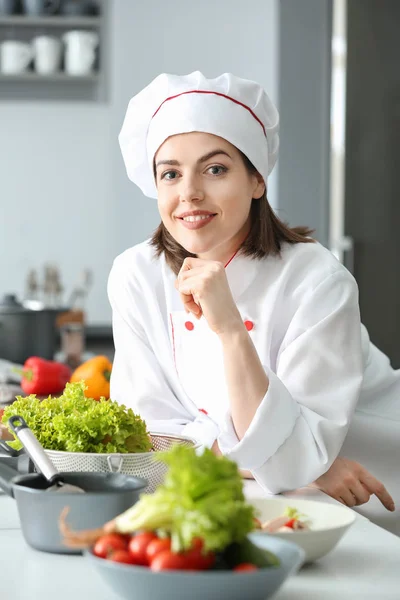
(196,219)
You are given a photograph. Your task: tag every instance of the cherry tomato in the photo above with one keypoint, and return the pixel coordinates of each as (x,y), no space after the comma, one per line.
(108,543)
(138,546)
(245,567)
(122,556)
(166,560)
(200,559)
(291,523)
(155,547)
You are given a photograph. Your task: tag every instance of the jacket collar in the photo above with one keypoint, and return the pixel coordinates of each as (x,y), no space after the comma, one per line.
(240,271)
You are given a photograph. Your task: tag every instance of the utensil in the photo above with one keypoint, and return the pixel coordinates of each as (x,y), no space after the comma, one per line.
(8,7)
(42,462)
(27,329)
(15,57)
(224,585)
(17,459)
(76,7)
(80,51)
(328,523)
(143,464)
(6,449)
(40,7)
(47,60)
(107,495)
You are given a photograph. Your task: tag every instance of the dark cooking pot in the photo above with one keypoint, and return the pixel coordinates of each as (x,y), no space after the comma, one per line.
(107,495)
(27,330)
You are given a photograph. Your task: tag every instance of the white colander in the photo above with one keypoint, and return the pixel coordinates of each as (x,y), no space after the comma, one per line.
(141,464)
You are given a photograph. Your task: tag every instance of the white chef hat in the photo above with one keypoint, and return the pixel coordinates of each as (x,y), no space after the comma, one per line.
(238,110)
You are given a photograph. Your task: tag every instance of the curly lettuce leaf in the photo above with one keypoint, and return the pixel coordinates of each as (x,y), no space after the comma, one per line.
(74,423)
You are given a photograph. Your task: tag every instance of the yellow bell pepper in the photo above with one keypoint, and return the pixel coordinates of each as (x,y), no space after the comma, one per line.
(96,373)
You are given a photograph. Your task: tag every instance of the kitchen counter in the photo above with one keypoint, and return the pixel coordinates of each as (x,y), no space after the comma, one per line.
(364,566)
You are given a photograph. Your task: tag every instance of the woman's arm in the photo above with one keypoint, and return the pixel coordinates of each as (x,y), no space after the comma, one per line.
(245,377)
(300,424)
(290,434)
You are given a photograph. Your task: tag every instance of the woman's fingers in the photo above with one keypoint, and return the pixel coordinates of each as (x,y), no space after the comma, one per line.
(190,304)
(346,497)
(360,493)
(374,486)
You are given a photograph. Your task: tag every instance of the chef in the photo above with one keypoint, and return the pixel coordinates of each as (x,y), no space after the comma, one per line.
(234,329)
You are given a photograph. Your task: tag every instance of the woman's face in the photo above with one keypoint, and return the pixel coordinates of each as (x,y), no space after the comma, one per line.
(205,193)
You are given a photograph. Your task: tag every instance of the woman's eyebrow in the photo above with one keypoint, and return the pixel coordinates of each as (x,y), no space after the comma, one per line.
(174,163)
(211,154)
(202,159)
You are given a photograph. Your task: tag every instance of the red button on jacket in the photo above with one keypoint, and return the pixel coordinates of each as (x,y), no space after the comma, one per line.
(189,325)
(249,325)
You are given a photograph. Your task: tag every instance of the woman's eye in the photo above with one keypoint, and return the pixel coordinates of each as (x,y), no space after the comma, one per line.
(217,170)
(169,175)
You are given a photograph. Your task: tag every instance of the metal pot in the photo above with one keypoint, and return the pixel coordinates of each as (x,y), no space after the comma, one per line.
(106,496)
(27,330)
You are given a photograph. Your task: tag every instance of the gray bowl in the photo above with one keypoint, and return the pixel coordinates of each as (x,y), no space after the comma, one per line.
(130,581)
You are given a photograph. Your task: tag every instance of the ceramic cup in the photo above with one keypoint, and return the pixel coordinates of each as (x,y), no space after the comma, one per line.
(15,57)
(80,52)
(40,7)
(47,54)
(8,7)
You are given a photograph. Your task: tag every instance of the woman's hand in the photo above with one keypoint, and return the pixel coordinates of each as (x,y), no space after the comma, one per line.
(204,290)
(348,482)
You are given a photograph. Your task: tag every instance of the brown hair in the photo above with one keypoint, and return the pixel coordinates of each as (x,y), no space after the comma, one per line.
(267,233)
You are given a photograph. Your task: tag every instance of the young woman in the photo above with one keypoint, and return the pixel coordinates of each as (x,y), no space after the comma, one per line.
(232,328)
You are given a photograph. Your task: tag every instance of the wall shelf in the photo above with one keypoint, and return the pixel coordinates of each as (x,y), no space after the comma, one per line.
(50,21)
(56,77)
(59,86)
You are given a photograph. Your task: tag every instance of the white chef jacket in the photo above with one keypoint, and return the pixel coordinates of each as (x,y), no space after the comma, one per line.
(330,390)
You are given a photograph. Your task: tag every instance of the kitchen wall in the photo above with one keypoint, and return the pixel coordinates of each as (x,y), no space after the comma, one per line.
(64,195)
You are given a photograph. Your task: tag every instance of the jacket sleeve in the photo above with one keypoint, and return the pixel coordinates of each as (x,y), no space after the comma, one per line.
(302,421)
(137,378)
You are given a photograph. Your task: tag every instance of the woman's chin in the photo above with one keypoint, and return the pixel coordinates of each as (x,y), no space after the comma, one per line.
(196,246)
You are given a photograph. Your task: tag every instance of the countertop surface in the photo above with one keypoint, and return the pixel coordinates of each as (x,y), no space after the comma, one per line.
(365,565)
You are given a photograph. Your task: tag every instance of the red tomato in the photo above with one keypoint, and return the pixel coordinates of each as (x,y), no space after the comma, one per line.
(108,543)
(291,523)
(200,559)
(157,546)
(138,546)
(245,567)
(166,560)
(122,556)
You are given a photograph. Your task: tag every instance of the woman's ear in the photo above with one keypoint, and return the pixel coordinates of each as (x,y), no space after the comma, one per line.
(259,185)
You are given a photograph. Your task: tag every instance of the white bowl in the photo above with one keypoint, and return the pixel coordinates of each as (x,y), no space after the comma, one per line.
(327,523)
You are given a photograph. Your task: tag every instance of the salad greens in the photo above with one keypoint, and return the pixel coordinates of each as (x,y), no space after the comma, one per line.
(201,497)
(74,423)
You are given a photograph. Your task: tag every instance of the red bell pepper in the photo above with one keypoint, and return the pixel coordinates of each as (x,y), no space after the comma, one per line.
(44,377)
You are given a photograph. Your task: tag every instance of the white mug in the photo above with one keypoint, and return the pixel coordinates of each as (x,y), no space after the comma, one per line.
(47,54)
(80,53)
(15,57)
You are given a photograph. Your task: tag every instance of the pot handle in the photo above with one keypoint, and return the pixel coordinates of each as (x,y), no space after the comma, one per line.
(8,450)
(7,474)
(33,448)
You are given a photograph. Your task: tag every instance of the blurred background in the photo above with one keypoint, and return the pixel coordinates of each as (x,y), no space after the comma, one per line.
(68,70)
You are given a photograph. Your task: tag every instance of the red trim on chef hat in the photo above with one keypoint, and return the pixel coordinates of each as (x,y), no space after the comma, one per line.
(236,109)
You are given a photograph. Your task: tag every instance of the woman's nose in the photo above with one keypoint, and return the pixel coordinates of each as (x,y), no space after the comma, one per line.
(191,191)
